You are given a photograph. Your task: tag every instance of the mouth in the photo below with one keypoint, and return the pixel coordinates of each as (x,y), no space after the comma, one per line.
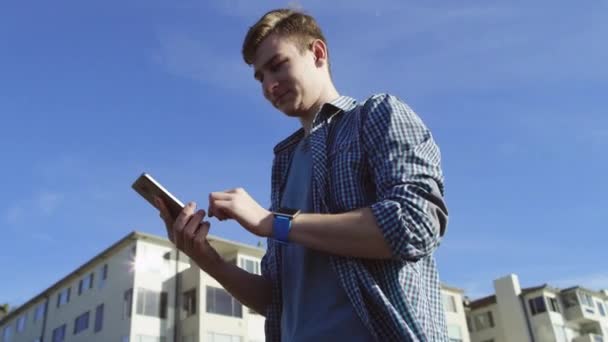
(280,97)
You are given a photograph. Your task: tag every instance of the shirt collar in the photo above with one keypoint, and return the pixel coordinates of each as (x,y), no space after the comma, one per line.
(327,112)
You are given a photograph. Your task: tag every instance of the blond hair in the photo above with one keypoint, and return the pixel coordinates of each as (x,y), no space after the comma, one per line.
(301,28)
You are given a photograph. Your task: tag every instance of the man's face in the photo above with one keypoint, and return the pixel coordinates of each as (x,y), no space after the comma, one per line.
(290,80)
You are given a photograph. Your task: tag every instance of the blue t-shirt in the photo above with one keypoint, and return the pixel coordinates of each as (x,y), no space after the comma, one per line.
(315,306)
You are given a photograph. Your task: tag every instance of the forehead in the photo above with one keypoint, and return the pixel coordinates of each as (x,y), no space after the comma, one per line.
(272,45)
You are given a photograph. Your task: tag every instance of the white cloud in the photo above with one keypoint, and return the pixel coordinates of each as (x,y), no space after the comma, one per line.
(44,203)
(185,55)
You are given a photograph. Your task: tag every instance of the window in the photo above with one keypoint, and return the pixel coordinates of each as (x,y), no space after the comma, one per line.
(39,313)
(59,334)
(21,323)
(86,283)
(215,337)
(7,333)
(221,302)
(81,323)
(553,304)
(151,303)
(449,303)
(587,302)
(103,276)
(98,318)
(537,305)
(250,265)
(569,300)
(454,333)
(63,297)
(600,308)
(190,302)
(484,321)
(586,299)
(127,303)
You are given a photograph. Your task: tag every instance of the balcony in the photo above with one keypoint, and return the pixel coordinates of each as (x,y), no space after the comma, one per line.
(580,314)
(580,307)
(589,338)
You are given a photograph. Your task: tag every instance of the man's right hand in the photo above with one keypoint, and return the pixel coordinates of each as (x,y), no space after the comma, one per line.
(189,234)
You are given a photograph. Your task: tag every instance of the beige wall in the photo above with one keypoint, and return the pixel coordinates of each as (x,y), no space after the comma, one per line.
(458,318)
(488,333)
(250,327)
(119,279)
(31,329)
(156,273)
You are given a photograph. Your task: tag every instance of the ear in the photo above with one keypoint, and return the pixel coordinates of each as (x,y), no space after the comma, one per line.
(319,50)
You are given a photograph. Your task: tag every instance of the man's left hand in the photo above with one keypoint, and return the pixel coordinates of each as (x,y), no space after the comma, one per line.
(237,204)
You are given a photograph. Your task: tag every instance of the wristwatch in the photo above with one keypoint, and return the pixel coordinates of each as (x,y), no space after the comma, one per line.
(281,225)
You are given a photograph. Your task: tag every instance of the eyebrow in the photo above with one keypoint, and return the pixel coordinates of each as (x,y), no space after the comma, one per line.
(257,73)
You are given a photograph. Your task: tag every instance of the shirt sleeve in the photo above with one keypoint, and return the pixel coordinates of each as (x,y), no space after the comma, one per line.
(406,168)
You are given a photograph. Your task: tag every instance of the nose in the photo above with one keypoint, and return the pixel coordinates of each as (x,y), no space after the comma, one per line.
(270,85)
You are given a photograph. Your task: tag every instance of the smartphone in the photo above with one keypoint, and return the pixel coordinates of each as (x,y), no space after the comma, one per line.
(149,188)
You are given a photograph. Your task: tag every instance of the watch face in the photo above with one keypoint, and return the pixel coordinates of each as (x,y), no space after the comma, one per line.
(288,211)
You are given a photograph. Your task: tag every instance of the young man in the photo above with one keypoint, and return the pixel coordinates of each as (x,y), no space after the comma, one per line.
(357,206)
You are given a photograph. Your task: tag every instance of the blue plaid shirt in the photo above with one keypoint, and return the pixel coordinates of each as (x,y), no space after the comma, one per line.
(375,154)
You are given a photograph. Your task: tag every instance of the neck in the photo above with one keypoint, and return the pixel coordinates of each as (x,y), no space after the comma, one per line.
(327,95)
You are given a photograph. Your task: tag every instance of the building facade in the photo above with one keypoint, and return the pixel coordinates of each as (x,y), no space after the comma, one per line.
(538,314)
(130,292)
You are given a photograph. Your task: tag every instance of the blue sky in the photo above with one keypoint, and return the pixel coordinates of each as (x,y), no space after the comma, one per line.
(91,95)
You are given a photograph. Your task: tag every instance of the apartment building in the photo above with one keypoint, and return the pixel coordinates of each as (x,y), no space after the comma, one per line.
(455,313)
(538,314)
(129,292)
(3,310)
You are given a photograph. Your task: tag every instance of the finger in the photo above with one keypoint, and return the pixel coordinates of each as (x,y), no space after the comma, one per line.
(219,214)
(180,223)
(221,195)
(190,230)
(210,212)
(235,191)
(224,209)
(218,196)
(201,235)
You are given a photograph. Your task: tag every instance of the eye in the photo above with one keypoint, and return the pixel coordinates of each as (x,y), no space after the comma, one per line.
(275,67)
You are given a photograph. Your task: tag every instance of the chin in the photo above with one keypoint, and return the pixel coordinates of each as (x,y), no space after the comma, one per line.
(289,109)
(291,112)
